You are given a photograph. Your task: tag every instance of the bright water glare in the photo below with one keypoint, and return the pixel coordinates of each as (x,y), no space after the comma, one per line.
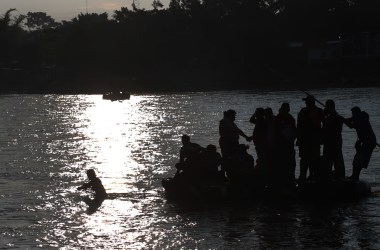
(47,142)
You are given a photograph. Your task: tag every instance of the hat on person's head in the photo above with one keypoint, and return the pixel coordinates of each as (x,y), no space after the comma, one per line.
(309,98)
(330,103)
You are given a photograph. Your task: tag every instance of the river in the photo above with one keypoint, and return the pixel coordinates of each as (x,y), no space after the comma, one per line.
(47,142)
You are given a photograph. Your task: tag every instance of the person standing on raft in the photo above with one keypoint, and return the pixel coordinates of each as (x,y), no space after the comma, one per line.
(309,131)
(332,140)
(229,134)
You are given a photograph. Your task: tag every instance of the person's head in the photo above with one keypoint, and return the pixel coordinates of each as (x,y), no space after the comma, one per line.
(309,101)
(230,114)
(268,113)
(91,174)
(185,139)
(259,113)
(355,111)
(211,148)
(285,108)
(330,106)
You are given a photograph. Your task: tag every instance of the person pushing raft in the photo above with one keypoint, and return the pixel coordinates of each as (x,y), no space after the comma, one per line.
(366,142)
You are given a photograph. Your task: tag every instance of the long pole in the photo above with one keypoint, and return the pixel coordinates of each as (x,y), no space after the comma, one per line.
(377,144)
(314,98)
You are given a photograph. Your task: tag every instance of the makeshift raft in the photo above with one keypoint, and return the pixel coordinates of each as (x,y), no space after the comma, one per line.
(344,189)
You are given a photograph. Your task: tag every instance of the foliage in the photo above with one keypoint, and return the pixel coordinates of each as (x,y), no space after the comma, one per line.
(40,21)
(187,44)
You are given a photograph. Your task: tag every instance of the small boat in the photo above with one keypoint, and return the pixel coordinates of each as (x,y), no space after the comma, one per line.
(117,96)
(332,190)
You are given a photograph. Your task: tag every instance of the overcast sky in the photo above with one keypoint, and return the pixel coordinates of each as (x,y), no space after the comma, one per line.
(67,9)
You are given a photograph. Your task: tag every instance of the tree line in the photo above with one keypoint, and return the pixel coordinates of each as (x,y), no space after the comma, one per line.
(189,45)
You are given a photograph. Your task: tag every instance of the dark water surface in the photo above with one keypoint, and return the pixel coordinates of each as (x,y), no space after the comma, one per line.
(48,141)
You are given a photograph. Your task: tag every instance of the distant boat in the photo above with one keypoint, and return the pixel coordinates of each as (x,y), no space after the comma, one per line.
(117,96)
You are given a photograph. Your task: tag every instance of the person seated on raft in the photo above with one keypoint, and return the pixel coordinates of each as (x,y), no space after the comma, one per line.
(96,185)
(242,171)
(211,165)
(188,154)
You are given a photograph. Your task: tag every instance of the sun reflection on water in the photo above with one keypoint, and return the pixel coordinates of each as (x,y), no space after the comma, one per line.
(111,133)
(115,136)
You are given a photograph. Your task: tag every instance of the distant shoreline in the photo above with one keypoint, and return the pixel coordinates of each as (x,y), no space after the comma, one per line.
(63,87)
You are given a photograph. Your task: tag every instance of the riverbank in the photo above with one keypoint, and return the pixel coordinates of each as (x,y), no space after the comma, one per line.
(98,82)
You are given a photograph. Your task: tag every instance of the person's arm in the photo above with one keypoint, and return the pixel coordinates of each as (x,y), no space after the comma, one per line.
(181,156)
(241,133)
(84,186)
(253,119)
(349,122)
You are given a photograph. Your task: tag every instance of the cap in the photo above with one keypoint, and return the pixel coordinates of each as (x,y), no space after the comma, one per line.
(309,98)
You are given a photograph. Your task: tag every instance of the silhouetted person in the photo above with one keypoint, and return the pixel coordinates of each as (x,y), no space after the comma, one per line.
(332,140)
(211,161)
(188,149)
(241,172)
(96,185)
(229,134)
(188,154)
(248,160)
(366,142)
(260,136)
(270,144)
(269,119)
(285,127)
(309,124)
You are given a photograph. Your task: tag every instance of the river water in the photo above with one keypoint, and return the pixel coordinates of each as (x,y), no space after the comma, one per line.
(47,142)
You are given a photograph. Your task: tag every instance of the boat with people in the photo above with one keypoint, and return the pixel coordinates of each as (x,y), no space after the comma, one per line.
(204,173)
(117,96)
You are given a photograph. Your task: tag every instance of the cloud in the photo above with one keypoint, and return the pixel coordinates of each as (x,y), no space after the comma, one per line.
(110,6)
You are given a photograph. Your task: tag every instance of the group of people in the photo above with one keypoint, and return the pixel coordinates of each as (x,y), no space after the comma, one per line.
(275,138)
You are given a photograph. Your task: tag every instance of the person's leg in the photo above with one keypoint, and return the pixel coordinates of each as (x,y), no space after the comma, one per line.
(303,169)
(356,166)
(314,160)
(339,165)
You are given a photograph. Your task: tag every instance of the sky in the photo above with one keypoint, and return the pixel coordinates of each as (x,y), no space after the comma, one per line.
(68,9)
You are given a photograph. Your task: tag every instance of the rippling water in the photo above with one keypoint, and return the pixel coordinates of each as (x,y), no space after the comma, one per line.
(48,141)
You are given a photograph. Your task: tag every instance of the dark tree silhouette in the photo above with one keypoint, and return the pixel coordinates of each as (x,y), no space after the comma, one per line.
(40,21)
(194,44)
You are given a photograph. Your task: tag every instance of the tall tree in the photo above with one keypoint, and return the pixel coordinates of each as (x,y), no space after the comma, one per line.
(40,21)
